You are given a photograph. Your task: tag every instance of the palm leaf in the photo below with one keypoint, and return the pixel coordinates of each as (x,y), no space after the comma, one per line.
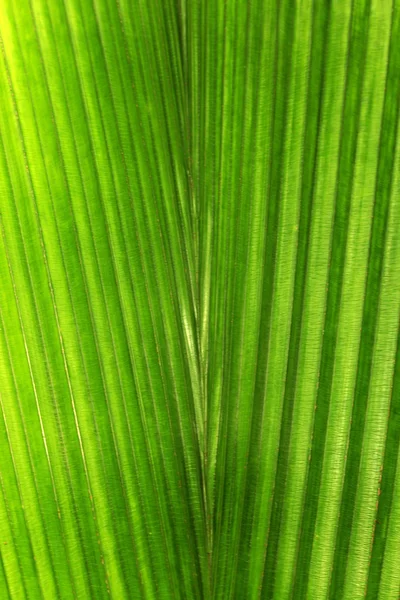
(200,299)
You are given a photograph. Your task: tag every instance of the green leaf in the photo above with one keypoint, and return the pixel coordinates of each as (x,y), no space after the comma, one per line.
(199,299)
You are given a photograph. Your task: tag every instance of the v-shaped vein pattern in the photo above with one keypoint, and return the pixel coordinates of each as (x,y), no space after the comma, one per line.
(200,299)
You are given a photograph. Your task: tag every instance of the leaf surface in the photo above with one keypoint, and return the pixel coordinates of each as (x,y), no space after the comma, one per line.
(200,299)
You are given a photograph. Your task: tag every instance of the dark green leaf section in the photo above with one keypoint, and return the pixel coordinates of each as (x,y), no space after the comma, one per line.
(199,299)
(297,160)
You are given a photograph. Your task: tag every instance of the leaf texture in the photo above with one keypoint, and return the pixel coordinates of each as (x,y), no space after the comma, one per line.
(200,299)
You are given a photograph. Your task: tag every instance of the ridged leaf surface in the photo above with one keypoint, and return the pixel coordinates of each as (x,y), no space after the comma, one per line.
(200,299)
